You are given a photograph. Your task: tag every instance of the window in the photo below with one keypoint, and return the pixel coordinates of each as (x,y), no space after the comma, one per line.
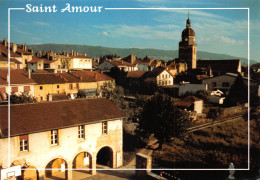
(214,84)
(81,133)
(41,87)
(71,86)
(41,98)
(24,143)
(225,84)
(104,127)
(58,86)
(77,85)
(54,137)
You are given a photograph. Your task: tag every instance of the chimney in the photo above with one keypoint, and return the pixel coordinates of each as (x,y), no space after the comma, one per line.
(7,78)
(5,43)
(48,56)
(30,50)
(133,58)
(29,74)
(85,54)
(72,52)
(24,47)
(14,47)
(80,78)
(95,75)
(0,52)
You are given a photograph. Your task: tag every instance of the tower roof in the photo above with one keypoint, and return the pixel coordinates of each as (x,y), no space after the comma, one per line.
(188,31)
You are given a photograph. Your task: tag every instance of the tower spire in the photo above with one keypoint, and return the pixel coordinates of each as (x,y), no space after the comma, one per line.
(188,20)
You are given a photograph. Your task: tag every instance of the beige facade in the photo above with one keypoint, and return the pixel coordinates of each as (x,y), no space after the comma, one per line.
(164,79)
(41,152)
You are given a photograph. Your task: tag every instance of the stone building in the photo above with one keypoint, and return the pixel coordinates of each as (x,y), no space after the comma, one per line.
(187,46)
(61,136)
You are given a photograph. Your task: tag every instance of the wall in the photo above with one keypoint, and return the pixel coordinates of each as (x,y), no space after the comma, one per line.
(105,66)
(164,79)
(198,106)
(20,88)
(41,152)
(193,88)
(4,65)
(81,63)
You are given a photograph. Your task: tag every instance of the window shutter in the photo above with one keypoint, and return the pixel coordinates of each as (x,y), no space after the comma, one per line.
(14,89)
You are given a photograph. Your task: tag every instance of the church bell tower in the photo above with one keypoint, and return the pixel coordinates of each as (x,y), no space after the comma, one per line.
(187,46)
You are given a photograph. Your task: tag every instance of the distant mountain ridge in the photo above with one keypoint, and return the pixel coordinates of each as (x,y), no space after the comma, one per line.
(97,51)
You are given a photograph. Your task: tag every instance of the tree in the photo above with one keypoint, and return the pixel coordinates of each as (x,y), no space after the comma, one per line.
(238,92)
(161,118)
(23,98)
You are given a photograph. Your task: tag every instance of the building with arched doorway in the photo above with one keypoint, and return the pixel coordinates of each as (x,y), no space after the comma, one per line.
(50,139)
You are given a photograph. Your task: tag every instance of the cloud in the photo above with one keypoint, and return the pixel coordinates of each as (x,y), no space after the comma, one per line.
(229,40)
(105,33)
(40,23)
(139,31)
(153,1)
(22,32)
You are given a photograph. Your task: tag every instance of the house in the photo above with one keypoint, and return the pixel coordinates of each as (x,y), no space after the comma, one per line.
(191,88)
(14,63)
(119,63)
(101,78)
(220,67)
(136,78)
(160,75)
(62,83)
(22,54)
(190,103)
(225,81)
(61,136)
(65,60)
(20,82)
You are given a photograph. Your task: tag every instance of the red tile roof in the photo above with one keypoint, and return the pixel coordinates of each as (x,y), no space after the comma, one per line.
(48,78)
(35,59)
(187,101)
(4,58)
(91,76)
(136,74)
(99,76)
(56,115)
(121,63)
(17,76)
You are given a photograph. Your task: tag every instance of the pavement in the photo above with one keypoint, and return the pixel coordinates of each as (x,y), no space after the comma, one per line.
(103,174)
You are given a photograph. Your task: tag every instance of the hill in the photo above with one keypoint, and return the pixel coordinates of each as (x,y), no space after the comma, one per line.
(97,51)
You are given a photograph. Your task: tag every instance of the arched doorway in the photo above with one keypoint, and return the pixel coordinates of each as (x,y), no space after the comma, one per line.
(105,157)
(29,173)
(56,169)
(83,161)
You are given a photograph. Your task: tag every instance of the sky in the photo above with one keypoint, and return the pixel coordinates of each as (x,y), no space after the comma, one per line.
(223,31)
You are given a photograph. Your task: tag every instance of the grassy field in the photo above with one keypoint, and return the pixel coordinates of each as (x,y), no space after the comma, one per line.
(214,147)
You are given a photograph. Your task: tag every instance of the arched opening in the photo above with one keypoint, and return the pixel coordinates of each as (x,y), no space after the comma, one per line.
(105,157)
(29,173)
(56,169)
(83,161)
